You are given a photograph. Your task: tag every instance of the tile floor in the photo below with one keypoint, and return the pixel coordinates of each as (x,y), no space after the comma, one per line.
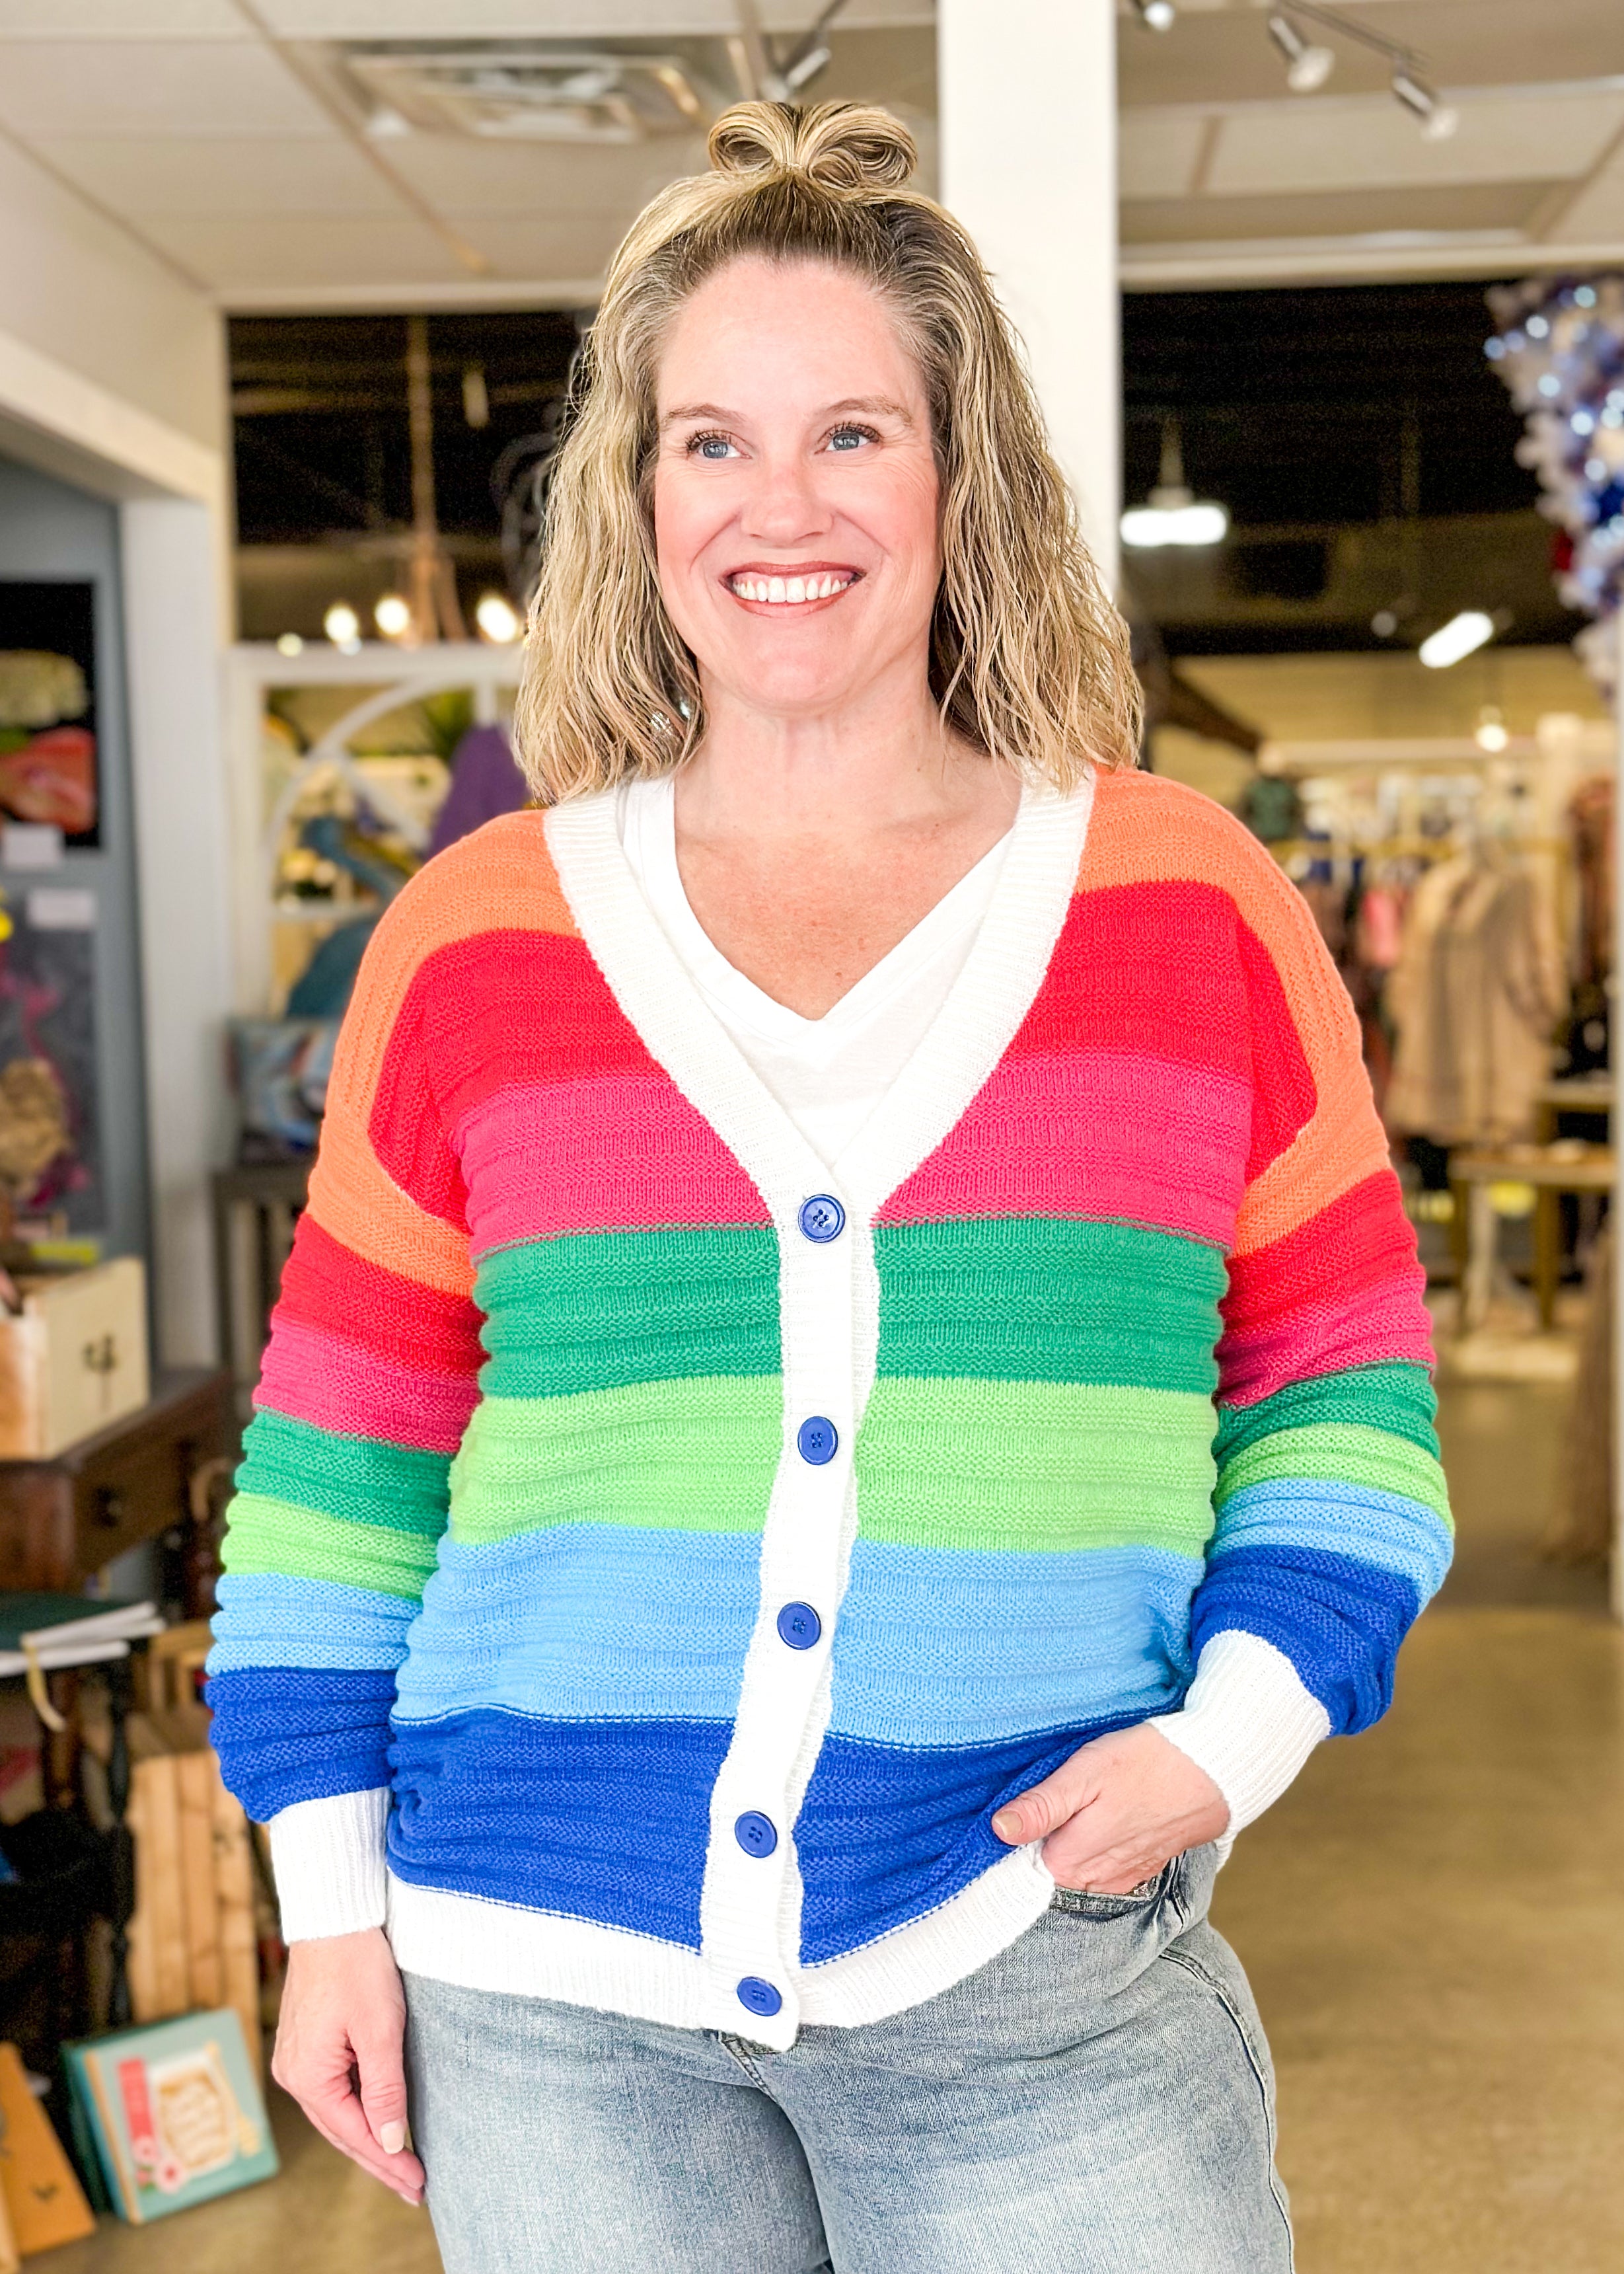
(1433,1919)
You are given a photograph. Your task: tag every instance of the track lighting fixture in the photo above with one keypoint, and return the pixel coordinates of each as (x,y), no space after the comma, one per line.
(1155,15)
(1307,67)
(1438,120)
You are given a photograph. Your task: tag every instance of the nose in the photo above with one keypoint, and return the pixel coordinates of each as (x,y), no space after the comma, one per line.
(782,506)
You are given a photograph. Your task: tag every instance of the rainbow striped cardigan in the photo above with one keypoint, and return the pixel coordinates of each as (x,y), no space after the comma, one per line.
(687,1572)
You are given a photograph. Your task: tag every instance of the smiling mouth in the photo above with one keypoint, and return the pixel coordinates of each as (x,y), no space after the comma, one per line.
(791,592)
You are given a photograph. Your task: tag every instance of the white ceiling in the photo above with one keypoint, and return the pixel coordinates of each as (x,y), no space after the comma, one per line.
(211,130)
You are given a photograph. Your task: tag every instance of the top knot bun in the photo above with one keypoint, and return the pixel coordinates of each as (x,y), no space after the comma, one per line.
(850,146)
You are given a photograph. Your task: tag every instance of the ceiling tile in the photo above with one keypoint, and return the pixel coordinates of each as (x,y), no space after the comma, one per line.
(235,256)
(51,88)
(1327,145)
(210,176)
(1596,214)
(567,247)
(545,177)
(1328,213)
(1157,152)
(584,20)
(123,19)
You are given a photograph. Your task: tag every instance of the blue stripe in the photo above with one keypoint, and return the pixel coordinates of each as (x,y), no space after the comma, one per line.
(1339,1621)
(266,1620)
(586,1620)
(601,1820)
(939,1647)
(1401,1536)
(888,1834)
(286,1734)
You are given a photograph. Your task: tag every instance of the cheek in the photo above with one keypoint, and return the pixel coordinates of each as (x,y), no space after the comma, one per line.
(910,511)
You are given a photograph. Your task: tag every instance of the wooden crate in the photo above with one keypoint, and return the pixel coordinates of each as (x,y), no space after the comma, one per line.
(74,1360)
(191,1937)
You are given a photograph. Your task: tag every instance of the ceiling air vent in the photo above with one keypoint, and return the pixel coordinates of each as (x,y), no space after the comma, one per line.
(523,92)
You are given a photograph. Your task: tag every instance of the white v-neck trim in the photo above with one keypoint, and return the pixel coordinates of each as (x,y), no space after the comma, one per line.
(985,1005)
(646,820)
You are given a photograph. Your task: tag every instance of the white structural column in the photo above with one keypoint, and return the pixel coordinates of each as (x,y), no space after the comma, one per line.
(172,620)
(1027,93)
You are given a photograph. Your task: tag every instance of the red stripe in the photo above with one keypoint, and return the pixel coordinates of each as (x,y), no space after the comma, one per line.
(326,1285)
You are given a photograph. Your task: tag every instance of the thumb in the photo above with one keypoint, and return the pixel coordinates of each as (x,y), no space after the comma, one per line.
(382,2078)
(1034,1815)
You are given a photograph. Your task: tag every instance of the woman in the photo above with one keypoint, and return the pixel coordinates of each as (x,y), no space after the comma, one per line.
(801,1178)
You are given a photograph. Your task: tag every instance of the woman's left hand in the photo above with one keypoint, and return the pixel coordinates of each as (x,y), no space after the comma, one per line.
(1111,1816)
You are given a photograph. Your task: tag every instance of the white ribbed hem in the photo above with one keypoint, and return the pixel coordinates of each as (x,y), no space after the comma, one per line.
(485,1945)
(328,1856)
(1247,1721)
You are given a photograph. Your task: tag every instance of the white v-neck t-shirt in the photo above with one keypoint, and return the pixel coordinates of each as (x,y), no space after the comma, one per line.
(830,1074)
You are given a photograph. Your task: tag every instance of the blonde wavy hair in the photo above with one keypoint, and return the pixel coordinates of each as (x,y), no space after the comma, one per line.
(1029,658)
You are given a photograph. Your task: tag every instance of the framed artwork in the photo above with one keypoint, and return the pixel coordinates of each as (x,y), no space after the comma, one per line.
(49,768)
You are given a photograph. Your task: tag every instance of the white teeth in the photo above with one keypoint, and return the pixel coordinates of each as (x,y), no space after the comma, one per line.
(787,591)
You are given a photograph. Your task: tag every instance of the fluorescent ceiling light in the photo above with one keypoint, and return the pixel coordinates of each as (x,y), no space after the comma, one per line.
(1460,636)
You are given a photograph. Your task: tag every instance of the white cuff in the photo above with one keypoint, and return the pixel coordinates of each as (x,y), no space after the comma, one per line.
(328,1860)
(1247,1721)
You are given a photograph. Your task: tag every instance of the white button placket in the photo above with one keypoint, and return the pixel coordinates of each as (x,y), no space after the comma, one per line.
(750,1908)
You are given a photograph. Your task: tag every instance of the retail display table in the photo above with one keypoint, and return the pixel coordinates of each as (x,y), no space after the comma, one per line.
(1569,1166)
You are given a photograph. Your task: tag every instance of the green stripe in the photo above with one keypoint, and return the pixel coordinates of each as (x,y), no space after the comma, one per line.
(1048,1299)
(1034,1466)
(301,1543)
(1342,1455)
(357,1478)
(695,1455)
(1397,1398)
(603,1310)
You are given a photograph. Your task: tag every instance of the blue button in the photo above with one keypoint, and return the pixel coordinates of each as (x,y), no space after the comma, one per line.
(816,1439)
(799,1625)
(760,1996)
(823,1218)
(756,1834)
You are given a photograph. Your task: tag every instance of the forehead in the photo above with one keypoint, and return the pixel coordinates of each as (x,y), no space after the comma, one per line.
(800,330)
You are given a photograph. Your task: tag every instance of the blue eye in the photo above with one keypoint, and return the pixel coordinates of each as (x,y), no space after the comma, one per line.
(849,438)
(712,447)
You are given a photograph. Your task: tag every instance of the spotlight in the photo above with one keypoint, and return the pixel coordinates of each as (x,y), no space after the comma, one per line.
(1492,734)
(1174,515)
(1438,120)
(341,625)
(497,618)
(392,616)
(289,644)
(1460,636)
(1155,15)
(1307,68)
(1383,623)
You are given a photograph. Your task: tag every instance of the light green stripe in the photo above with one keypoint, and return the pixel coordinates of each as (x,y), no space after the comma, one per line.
(698,1456)
(300,1543)
(1034,1466)
(1342,1455)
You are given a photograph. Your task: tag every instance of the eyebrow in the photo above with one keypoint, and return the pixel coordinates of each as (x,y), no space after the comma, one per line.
(878,405)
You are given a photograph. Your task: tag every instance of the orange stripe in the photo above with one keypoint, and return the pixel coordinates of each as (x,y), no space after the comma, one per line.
(351,1198)
(1147,831)
(499,880)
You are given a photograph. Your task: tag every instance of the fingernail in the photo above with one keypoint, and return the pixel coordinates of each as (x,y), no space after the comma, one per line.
(1006,1824)
(392,2138)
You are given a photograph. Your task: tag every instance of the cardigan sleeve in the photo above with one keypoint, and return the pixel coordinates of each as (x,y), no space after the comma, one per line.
(1332,1517)
(368,1383)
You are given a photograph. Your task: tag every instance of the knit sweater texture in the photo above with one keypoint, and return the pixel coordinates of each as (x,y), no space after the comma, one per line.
(699,1582)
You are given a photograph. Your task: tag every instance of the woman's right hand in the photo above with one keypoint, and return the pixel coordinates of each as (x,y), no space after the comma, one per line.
(339,2052)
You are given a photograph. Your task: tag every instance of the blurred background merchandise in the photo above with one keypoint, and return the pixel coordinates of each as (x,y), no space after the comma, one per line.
(1325,307)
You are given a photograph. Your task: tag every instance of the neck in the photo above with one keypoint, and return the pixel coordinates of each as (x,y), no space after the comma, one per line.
(883,761)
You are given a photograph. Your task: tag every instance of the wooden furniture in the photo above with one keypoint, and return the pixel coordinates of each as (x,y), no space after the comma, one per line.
(1584,1093)
(256,1207)
(73,1361)
(1570,1166)
(63,1519)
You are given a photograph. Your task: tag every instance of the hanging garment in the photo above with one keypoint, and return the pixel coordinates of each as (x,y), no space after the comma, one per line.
(1479,987)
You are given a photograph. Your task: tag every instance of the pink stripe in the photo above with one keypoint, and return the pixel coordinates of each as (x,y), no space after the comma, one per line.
(319,1378)
(1377,1327)
(603,1153)
(1110,1133)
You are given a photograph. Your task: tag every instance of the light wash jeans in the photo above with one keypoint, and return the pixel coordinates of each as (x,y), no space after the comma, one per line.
(1097,2100)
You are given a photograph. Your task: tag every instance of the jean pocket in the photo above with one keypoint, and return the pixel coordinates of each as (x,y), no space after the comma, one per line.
(1084,1902)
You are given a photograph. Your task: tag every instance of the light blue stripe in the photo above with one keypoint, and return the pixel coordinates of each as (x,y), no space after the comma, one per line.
(1383,1529)
(606,1622)
(940,1648)
(266,1620)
